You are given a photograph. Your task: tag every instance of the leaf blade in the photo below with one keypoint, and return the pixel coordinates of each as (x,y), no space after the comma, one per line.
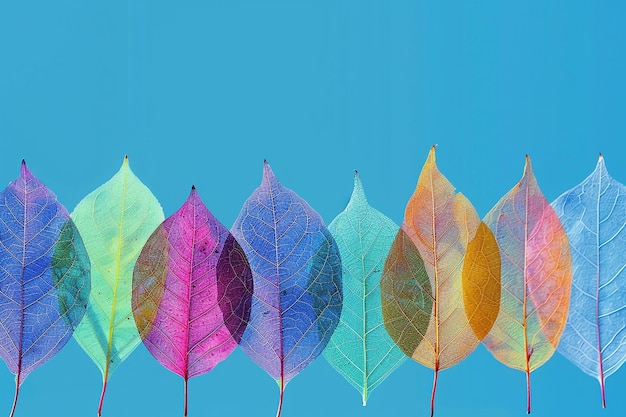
(592,216)
(297,280)
(536,278)
(191,291)
(440,225)
(44,278)
(115,220)
(360,348)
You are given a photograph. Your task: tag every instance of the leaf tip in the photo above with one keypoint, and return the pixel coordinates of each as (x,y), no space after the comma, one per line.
(193,194)
(527,166)
(24,171)
(357,192)
(601,166)
(268,174)
(431,154)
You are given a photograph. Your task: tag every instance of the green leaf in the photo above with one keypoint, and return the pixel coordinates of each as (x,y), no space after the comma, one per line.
(115,221)
(360,349)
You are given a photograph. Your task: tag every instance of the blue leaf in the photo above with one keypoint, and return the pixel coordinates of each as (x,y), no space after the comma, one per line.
(594,217)
(296,272)
(44,276)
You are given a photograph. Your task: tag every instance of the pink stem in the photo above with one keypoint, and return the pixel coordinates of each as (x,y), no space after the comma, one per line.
(104,390)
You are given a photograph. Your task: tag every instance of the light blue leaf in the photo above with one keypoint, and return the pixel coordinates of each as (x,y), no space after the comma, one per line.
(594,217)
(360,349)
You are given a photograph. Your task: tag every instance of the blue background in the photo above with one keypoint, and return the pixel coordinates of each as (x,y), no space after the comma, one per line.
(201,93)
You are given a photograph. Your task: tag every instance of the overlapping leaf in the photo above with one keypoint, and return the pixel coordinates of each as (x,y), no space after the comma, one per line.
(360,348)
(425,276)
(536,278)
(594,217)
(406,294)
(192,289)
(481,281)
(115,220)
(44,276)
(296,270)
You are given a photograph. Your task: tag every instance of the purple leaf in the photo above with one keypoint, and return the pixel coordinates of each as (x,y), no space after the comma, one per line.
(44,276)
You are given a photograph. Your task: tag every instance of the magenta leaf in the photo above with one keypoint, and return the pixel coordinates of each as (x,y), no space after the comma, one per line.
(192,289)
(44,276)
(297,280)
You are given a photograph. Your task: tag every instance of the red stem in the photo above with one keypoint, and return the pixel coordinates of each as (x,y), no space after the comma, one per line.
(527,390)
(432,396)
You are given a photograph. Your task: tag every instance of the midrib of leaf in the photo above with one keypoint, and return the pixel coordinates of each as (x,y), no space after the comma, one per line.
(597,300)
(120,244)
(364,306)
(278,304)
(525,295)
(187,325)
(436,289)
(21,337)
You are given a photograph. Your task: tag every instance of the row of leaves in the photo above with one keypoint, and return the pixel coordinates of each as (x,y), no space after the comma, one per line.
(115,273)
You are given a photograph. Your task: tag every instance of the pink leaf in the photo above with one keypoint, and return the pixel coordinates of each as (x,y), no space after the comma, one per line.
(192,289)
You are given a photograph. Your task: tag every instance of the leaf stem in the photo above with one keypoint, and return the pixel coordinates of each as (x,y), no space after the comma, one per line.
(17,393)
(104,390)
(185,394)
(528,390)
(432,396)
(280,398)
(602,389)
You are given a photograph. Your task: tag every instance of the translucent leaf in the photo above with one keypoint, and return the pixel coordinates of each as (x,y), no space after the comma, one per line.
(44,276)
(481,281)
(360,348)
(406,294)
(115,220)
(594,217)
(297,280)
(440,225)
(192,289)
(536,278)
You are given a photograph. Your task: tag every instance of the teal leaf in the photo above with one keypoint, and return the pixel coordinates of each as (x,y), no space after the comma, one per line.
(360,348)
